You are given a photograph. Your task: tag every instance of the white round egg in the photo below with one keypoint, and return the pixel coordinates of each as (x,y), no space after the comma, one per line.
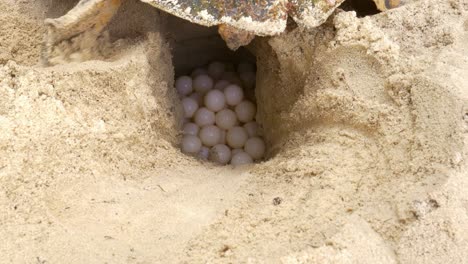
(204,153)
(222,140)
(251,128)
(190,106)
(202,83)
(236,137)
(198,71)
(234,94)
(190,129)
(220,154)
(232,77)
(226,119)
(197,97)
(215,100)
(255,147)
(183,85)
(216,69)
(221,84)
(236,150)
(246,111)
(191,144)
(204,117)
(210,135)
(241,158)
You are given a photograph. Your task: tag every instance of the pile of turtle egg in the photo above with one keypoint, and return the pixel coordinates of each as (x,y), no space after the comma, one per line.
(220,123)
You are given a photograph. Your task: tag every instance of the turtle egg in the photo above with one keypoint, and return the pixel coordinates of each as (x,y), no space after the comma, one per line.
(184,85)
(198,71)
(214,100)
(241,158)
(220,154)
(210,135)
(222,139)
(221,84)
(197,97)
(226,119)
(233,94)
(219,115)
(204,153)
(236,150)
(202,83)
(191,129)
(190,106)
(204,117)
(231,77)
(216,69)
(251,128)
(236,137)
(255,147)
(191,144)
(245,111)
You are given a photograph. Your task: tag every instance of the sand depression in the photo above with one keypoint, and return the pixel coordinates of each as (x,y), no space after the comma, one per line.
(365,120)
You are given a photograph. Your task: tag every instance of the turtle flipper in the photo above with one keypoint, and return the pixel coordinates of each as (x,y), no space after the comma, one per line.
(87,16)
(234,38)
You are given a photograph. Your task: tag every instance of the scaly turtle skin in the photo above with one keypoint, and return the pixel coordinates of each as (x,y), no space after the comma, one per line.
(239,20)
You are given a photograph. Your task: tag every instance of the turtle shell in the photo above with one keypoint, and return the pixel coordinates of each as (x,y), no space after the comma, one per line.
(260,17)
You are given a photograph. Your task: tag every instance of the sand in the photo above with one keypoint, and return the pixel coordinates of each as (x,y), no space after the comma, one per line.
(366,121)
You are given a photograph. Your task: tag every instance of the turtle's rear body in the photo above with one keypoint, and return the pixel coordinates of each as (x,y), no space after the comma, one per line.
(260,17)
(239,20)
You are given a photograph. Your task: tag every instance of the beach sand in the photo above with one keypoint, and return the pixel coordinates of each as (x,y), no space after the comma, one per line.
(366,120)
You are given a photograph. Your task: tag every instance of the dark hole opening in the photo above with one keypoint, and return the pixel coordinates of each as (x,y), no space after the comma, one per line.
(362,7)
(195,46)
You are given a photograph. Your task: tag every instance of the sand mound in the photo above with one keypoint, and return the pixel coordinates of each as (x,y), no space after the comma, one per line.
(366,119)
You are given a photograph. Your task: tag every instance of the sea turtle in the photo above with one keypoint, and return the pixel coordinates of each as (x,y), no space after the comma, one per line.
(238,20)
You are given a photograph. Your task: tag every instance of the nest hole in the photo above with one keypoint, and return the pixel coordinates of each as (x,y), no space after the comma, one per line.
(193,48)
(216,87)
(361,7)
